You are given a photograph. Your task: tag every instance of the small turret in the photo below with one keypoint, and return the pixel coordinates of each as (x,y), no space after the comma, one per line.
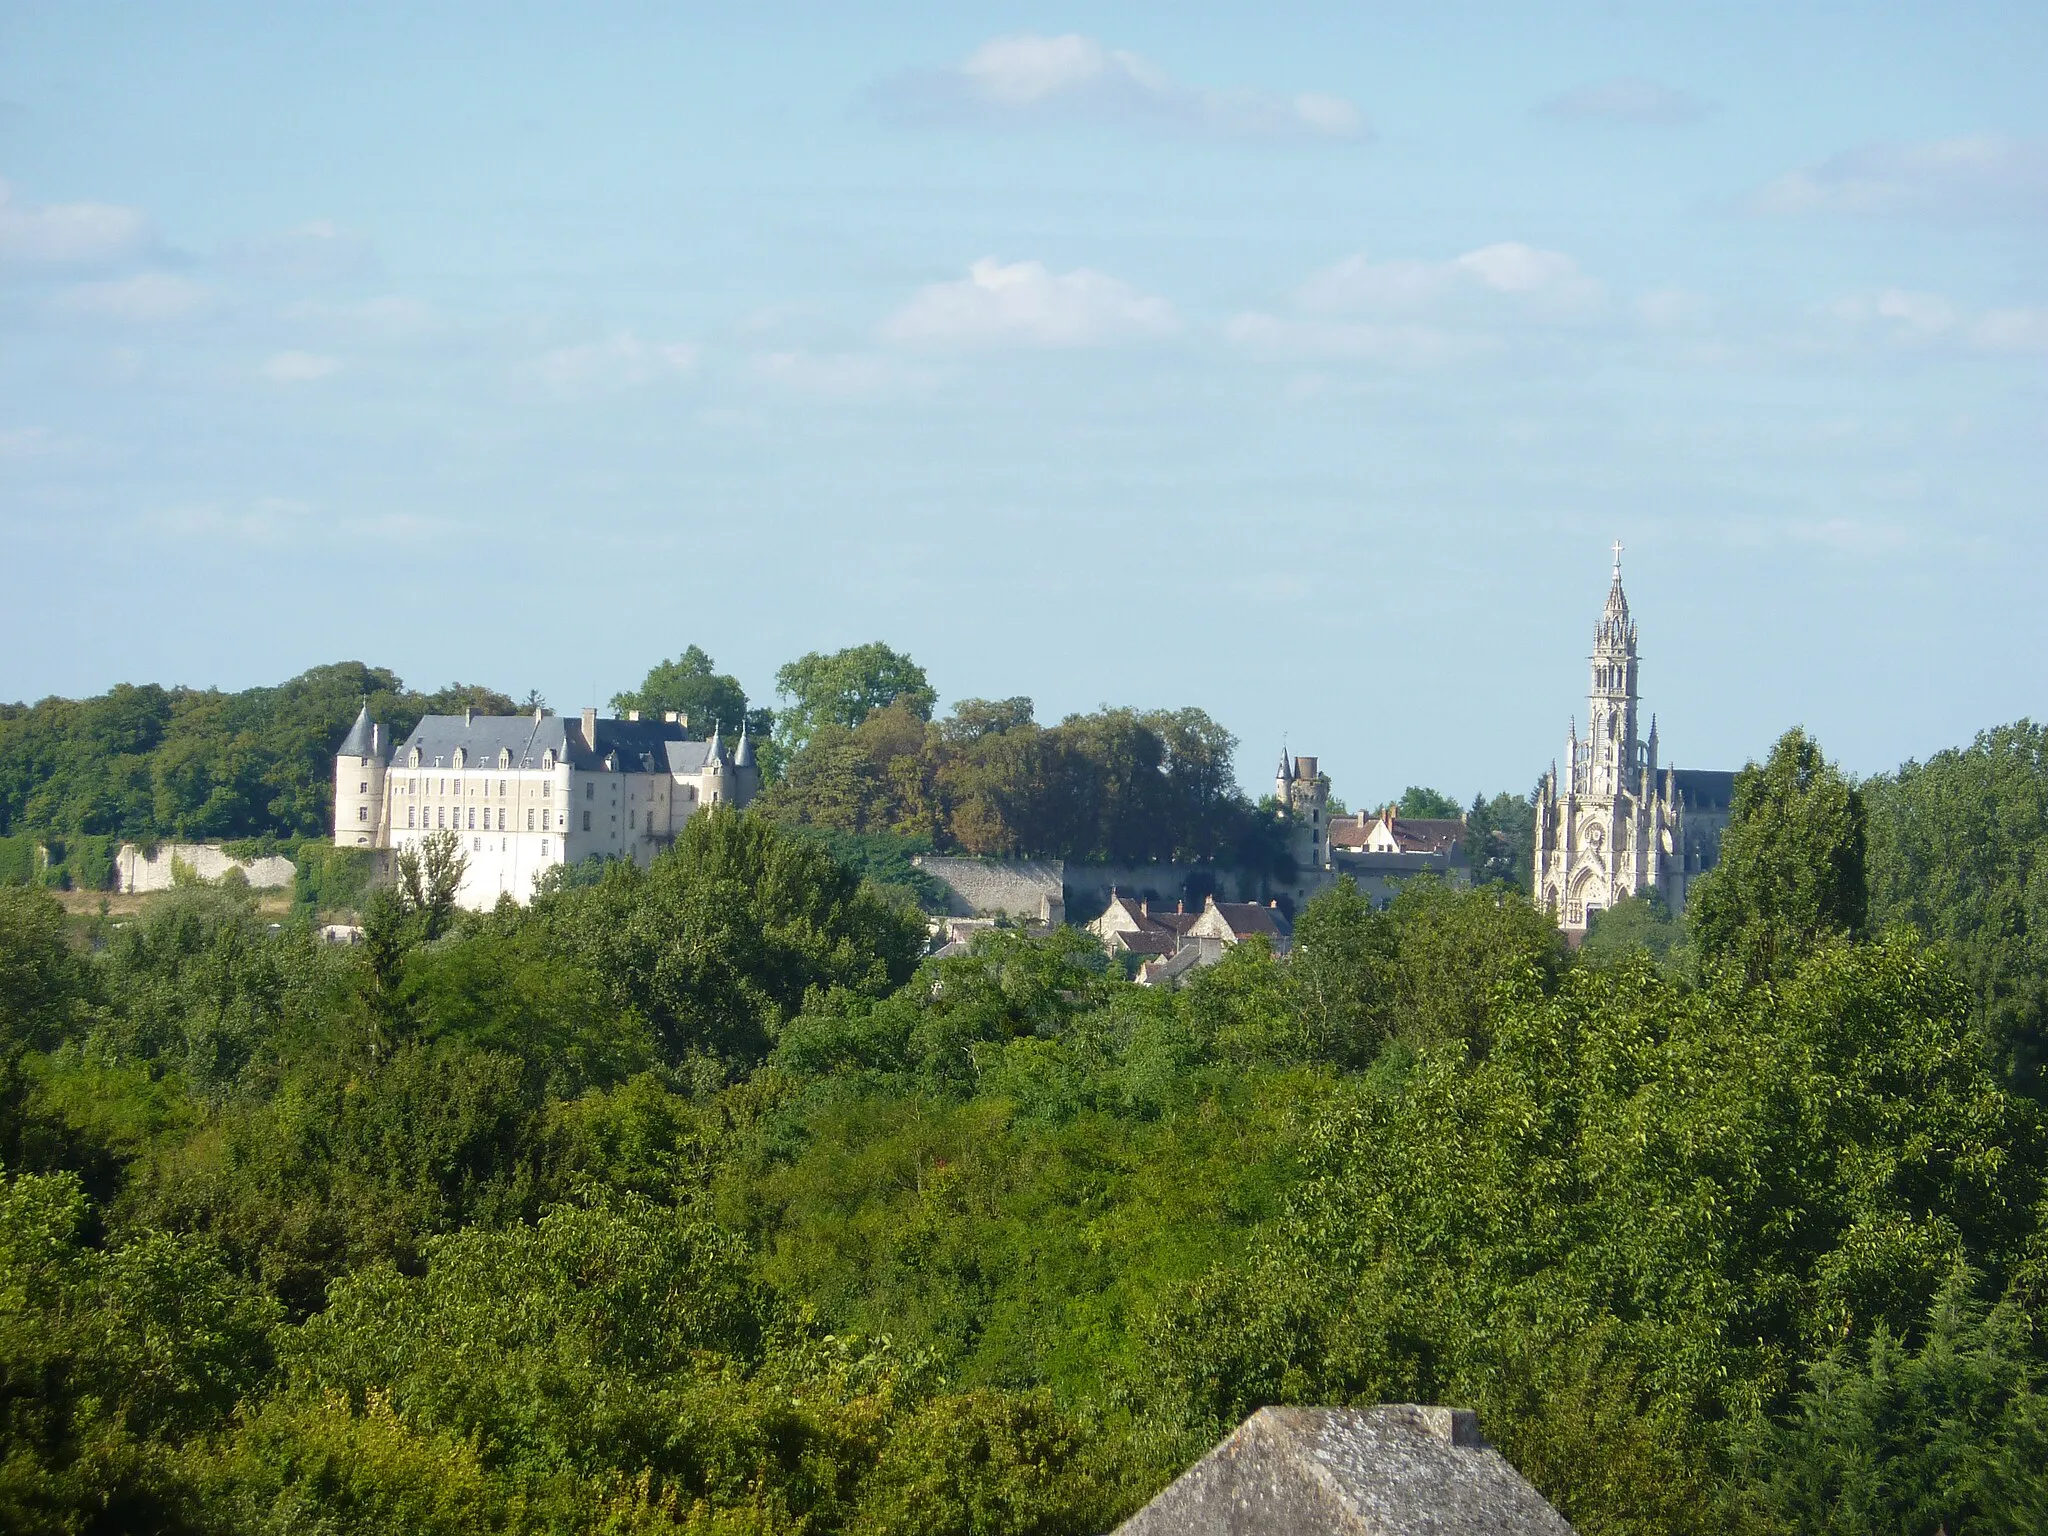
(746,773)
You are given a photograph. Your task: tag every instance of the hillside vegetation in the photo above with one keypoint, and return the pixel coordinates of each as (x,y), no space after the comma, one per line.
(692,1200)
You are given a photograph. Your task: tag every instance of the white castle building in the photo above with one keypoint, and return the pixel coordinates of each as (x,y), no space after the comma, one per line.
(529,792)
(1615,826)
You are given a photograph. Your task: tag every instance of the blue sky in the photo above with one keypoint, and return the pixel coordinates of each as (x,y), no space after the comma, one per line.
(1299,362)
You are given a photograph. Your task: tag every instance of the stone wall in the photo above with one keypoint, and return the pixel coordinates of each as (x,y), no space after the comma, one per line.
(1019,888)
(136,870)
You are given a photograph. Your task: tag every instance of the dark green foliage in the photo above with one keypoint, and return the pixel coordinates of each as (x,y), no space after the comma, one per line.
(1641,924)
(1501,840)
(1950,1431)
(148,762)
(1959,849)
(692,686)
(1791,875)
(1116,785)
(720,941)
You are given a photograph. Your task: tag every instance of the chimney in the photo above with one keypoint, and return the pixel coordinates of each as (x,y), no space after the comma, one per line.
(632,714)
(536,714)
(1274,905)
(590,728)
(1180,907)
(469,714)
(670,717)
(1305,768)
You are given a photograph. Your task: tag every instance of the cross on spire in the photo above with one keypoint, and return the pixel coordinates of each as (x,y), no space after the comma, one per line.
(1617,556)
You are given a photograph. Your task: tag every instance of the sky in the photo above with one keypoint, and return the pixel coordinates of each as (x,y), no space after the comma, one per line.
(1298,362)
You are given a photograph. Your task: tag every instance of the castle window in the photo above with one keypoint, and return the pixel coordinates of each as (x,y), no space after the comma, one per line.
(501,818)
(504,761)
(461,756)
(408,815)
(363,788)
(543,847)
(440,815)
(501,789)
(413,760)
(472,818)
(586,821)
(529,818)
(362,813)
(547,787)
(590,790)
(544,821)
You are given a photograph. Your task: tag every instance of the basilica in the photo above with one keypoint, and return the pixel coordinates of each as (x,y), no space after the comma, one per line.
(1616,823)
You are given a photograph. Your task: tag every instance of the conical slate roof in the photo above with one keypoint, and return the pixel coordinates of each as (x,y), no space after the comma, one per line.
(361,740)
(744,757)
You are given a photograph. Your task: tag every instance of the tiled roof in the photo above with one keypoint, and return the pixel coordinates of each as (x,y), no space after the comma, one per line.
(1245,917)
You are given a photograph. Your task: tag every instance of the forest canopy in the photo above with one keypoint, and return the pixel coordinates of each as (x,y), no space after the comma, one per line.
(694,1199)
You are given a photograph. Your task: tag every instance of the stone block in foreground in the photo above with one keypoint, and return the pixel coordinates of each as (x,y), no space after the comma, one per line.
(1401,1469)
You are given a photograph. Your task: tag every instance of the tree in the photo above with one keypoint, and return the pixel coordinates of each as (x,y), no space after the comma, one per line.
(690,686)
(845,688)
(1424,804)
(1791,876)
(429,875)
(1959,850)
(1500,839)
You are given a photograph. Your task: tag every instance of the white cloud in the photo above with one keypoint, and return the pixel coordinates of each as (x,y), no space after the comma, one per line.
(1030,77)
(1526,275)
(622,358)
(1413,312)
(1903,319)
(70,234)
(1358,340)
(319,251)
(299,367)
(838,375)
(147,298)
(1626,99)
(1983,175)
(1024,304)
(390,320)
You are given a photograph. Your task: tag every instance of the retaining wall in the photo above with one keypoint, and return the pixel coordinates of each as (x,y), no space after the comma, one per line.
(136,870)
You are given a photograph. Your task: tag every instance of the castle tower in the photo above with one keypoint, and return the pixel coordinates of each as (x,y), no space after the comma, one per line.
(359,784)
(1304,796)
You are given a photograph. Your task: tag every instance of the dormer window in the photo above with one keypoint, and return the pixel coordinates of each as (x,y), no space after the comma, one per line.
(547,760)
(413,759)
(504,759)
(461,756)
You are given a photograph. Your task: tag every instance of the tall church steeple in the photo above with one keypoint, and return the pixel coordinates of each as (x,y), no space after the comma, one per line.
(1611,751)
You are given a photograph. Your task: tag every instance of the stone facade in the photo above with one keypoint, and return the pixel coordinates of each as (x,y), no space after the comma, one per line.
(527,793)
(1614,824)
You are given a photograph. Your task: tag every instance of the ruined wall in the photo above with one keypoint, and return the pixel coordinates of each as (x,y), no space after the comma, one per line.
(136,870)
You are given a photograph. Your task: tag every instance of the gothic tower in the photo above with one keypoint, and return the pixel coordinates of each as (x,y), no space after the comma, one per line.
(1606,829)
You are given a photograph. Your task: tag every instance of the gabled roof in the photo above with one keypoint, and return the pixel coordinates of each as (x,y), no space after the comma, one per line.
(1419,834)
(1144,941)
(1400,1469)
